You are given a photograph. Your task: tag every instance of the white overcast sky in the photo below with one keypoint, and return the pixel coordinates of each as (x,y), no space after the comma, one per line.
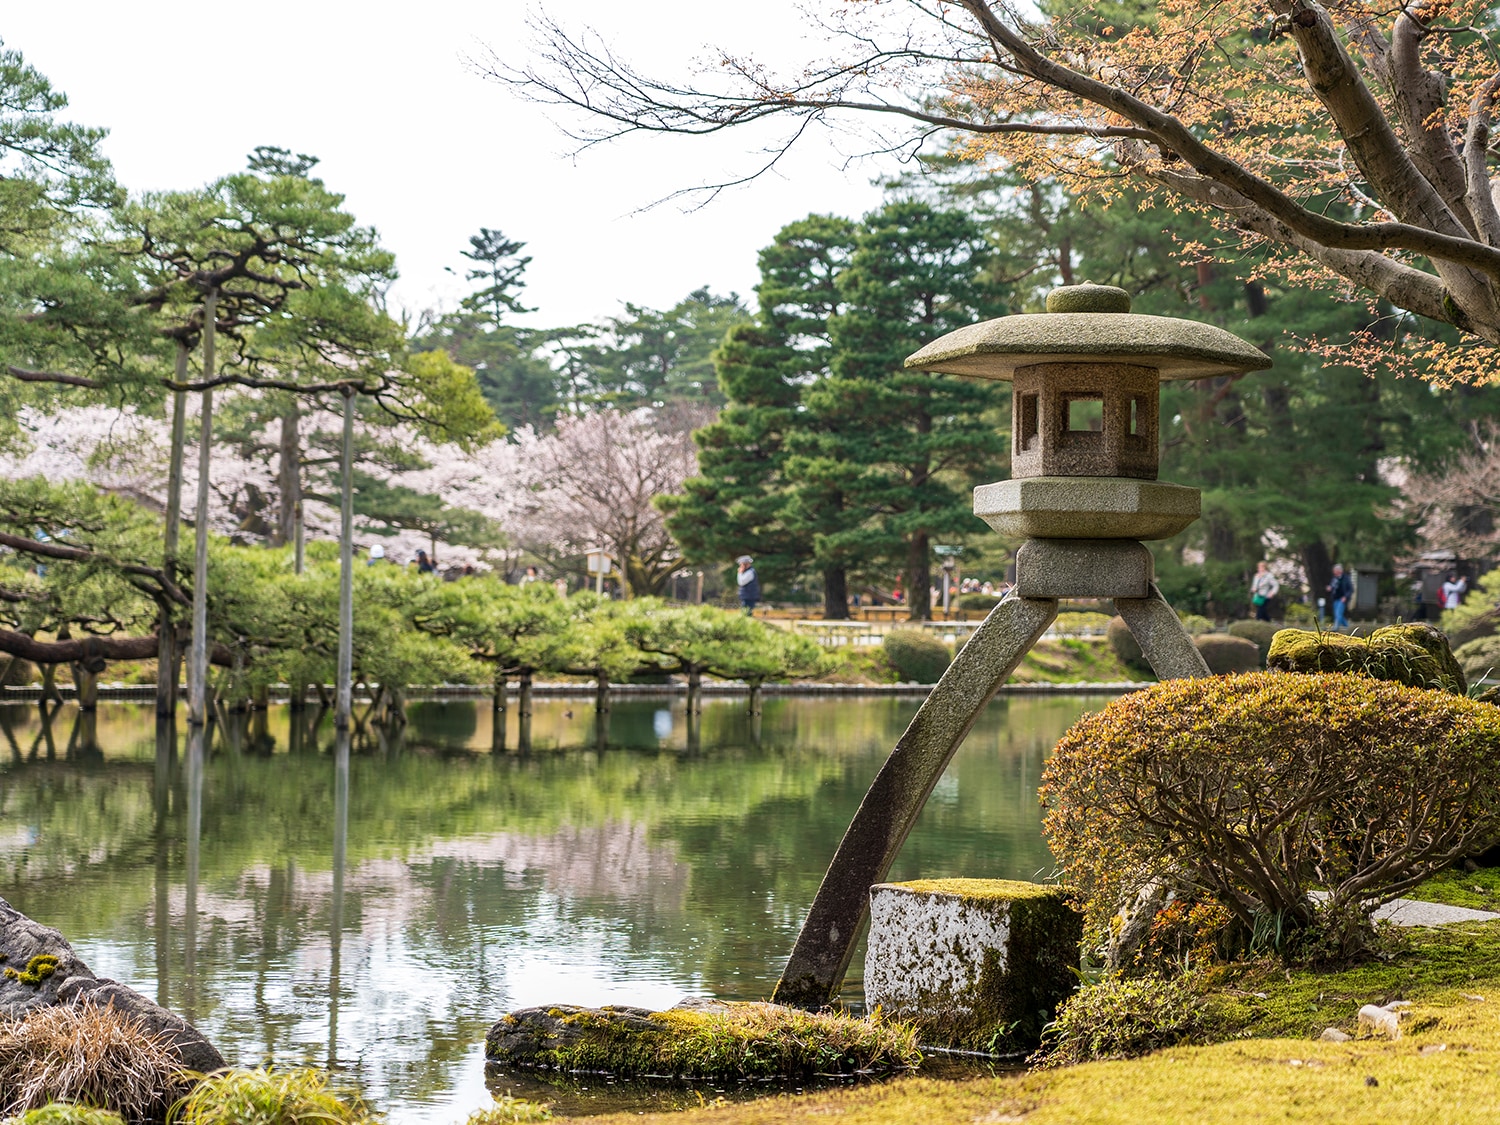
(427,151)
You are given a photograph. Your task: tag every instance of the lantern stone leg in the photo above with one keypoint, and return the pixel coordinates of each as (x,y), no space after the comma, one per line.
(1164,642)
(900,790)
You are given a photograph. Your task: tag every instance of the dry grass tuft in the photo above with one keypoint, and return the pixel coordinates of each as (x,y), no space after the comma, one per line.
(65,1113)
(91,1055)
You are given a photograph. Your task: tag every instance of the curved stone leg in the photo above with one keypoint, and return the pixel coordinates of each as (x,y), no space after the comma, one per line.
(816,967)
(1165,643)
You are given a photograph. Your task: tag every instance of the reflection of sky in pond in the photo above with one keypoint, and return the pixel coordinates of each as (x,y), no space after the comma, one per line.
(474,883)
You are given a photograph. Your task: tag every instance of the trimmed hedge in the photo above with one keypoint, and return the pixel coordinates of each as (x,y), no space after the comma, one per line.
(1227,655)
(1126,647)
(917,656)
(1251,790)
(1262,633)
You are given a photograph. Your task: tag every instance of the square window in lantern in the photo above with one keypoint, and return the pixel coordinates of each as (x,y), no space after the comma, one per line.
(1085,413)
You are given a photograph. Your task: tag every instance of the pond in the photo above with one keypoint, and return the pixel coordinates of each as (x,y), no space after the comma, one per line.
(375,913)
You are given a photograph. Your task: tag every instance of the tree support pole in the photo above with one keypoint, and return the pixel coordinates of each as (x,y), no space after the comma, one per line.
(198,663)
(166,630)
(345,705)
(900,790)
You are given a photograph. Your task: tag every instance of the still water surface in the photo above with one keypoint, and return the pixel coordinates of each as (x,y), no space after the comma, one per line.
(375,914)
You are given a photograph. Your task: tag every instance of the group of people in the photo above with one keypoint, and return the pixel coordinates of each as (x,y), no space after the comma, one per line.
(1340,592)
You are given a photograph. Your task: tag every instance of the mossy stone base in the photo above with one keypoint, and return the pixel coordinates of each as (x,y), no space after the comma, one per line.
(1416,655)
(980,964)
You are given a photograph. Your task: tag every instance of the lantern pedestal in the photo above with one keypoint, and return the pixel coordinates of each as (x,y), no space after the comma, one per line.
(1086,507)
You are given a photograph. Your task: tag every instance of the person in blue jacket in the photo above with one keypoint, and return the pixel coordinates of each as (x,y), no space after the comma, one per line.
(749,584)
(1340,590)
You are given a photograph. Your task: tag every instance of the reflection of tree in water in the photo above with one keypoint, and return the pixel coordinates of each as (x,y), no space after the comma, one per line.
(633,864)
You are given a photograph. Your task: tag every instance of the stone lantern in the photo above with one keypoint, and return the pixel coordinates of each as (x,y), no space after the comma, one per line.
(1083,495)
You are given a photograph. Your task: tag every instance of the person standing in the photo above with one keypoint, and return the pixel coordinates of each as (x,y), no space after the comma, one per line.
(749,584)
(1453,591)
(1263,587)
(1340,590)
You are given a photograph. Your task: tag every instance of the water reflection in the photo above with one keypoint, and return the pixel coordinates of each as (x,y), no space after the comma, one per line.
(373,906)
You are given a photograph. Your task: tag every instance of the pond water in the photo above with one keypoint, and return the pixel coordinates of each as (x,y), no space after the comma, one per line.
(375,912)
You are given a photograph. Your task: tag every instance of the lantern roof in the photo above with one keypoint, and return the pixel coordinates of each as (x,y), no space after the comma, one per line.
(1089,324)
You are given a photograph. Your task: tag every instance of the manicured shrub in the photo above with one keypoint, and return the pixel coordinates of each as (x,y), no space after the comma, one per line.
(1195,624)
(1298,614)
(1480,658)
(1120,1018)
(917,656)
(1414,654)
(1252,789)
(981,602)
(1259,632)
(89,1055)
(1226,655)
(299,1096)
(1126,647)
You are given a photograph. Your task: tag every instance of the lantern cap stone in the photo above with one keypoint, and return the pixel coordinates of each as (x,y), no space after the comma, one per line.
(1089,324)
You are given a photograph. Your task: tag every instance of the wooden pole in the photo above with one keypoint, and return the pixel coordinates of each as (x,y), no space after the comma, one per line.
(344,707)
(166,629)
(198,660)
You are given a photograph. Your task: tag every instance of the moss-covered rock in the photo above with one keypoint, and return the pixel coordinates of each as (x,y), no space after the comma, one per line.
(701,1039)
(1416,655)
(1226,655)
(980,964)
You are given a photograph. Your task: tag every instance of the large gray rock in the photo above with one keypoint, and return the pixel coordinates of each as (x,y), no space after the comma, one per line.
(27,984)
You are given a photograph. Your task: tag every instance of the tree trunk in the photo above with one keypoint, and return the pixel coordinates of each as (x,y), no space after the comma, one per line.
(166,629)
(754,705)
(289,476)
(918,579)
(345,685)
(523,704)
(88,688)
(835,594)
(695,691)
(198,665)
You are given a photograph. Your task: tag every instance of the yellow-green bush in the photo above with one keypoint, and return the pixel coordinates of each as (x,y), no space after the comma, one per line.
(916,655)
(299,1096)
(1120,1018)
(1254,789)
(1126,647)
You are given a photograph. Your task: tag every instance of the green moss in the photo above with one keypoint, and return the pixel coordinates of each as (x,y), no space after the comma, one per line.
(38,969)
(746,1042)
(1416,655)
(985,890)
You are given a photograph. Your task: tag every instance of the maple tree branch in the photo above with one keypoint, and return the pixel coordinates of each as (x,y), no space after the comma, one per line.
(1481,193)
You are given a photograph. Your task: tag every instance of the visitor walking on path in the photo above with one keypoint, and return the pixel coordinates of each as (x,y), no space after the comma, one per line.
(749,584)
(1454,590)
(1340,590)
(1263,587)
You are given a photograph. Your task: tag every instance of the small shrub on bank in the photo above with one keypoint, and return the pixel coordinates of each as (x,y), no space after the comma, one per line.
(1081,624)
(1120,1018)
(981,603)
(1252,789)
(1227,655)
(1260,633)
(88,1055)
(1298,614)
(1126,647)
(916,655)
(1480,659)
(1195,624)
(510,1111)
(270,1097)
